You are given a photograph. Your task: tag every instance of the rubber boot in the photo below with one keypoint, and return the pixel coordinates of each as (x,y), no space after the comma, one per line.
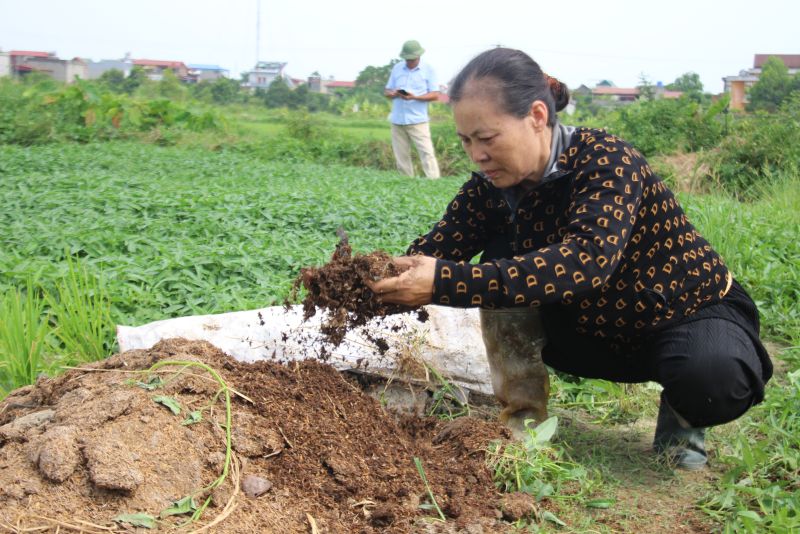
(683,446)
(514,338)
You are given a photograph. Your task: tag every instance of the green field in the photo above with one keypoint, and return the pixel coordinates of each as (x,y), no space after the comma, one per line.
(176,231)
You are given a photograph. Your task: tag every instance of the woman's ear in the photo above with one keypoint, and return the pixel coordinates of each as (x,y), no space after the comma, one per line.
(539,114)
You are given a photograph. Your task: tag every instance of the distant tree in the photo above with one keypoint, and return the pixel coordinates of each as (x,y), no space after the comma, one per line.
(278,94)
(585,105)
(298,98)
(647,91)
(225,91)
(372,76)
(135,79)
(319,102)
(171,87)
(168,87)
(219,91)
(689,84)
(772,87)
(114,79)
(371,81)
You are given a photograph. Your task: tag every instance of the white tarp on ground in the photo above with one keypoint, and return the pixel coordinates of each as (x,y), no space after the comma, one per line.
(449,341)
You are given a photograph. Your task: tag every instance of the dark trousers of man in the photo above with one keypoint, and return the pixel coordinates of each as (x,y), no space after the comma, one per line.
(712,366)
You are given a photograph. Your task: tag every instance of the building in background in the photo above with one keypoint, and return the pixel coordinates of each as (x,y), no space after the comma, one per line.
(337,86)
(98,68)
(24,62)
(204,73)
(737,85)
(614,95)
(155,68)
(317,84)
(265,72)
(5,64)
(606,94)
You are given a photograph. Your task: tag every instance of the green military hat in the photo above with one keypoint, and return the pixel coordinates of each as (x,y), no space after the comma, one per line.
(411,50)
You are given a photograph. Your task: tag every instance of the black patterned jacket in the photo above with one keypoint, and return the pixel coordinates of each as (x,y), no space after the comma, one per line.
(601,236)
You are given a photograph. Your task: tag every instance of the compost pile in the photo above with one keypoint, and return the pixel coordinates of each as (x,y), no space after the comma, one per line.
(340,287)
(310,451)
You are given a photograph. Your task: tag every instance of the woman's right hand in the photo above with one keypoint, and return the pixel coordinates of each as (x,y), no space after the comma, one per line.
(414,287)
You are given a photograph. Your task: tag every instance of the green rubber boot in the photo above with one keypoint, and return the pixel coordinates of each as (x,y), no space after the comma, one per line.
(514,339)
(683,446)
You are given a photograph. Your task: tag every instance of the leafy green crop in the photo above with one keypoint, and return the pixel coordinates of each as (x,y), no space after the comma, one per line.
(175,232)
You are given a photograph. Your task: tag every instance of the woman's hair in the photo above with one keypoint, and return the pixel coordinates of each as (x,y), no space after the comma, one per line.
(516,79)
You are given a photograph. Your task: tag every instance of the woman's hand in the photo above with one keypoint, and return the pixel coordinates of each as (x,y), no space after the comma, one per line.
(412,288)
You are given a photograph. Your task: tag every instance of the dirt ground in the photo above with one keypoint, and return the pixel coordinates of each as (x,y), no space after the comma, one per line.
(313,451)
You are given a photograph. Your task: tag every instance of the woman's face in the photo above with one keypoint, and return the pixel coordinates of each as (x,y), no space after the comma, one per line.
(508,149)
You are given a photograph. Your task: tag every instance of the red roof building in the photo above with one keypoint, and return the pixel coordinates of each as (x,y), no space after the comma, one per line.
(24,62)
(629,94)
(340,85)
(737,85)
(792,61)
(155,68)
(30,53)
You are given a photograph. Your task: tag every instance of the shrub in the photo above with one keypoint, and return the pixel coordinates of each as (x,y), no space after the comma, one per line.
(43,112)
(666,126)
(774,86)
(307,127)
(759,146)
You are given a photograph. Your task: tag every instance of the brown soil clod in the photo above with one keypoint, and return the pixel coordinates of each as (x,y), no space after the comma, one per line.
(340,287)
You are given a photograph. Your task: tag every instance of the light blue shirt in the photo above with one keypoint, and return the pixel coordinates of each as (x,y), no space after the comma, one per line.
(419,81)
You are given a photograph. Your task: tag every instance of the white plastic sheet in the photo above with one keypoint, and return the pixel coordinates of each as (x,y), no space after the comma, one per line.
(449,341)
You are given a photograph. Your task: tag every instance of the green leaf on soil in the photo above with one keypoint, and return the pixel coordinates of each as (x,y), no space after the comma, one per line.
(169,402)
(182,506)
(152,383)
(601,503)
(193,417)
(538,489)
(137,520)
(550,516)
(544,431)
(749,514)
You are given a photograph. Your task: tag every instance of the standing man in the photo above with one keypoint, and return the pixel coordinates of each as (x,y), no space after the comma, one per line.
(411,86)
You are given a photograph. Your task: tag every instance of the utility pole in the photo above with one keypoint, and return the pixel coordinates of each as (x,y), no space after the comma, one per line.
(258,31)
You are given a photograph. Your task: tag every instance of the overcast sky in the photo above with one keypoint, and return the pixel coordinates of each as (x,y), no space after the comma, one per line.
(578,41)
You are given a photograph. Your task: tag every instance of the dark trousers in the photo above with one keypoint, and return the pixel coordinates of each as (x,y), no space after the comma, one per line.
(712,366)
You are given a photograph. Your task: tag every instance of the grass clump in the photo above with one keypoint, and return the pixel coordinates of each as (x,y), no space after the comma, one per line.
(759,243)
(41,329)
(24,337)
(760,491)
(541,468)
(82,311)
(760,147)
